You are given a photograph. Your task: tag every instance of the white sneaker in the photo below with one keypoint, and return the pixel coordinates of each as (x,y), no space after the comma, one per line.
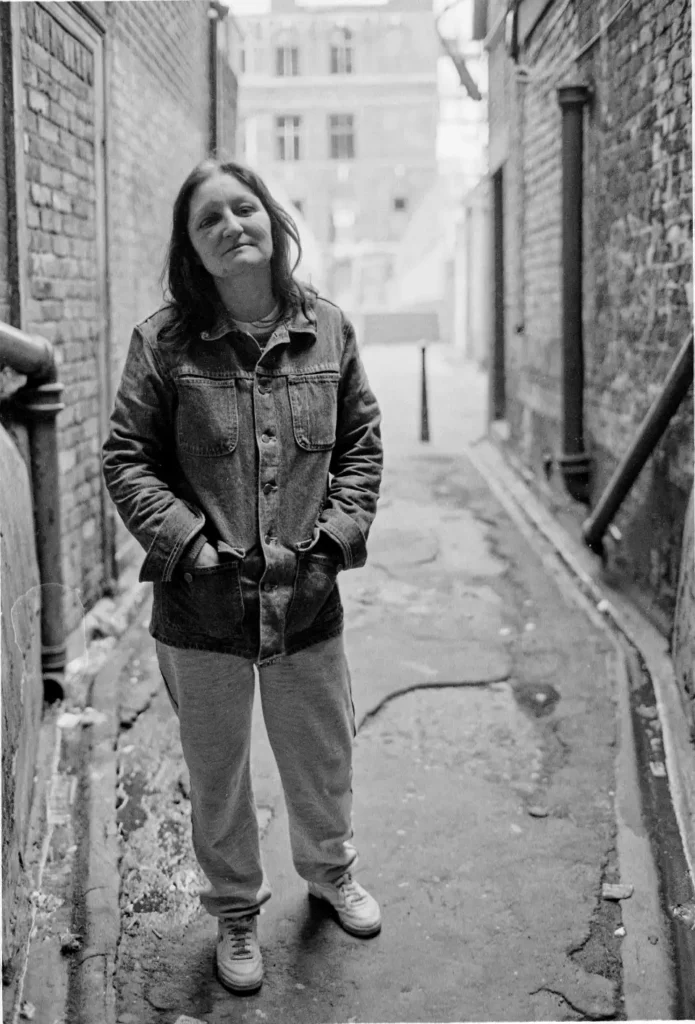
(358,912)
(239,961)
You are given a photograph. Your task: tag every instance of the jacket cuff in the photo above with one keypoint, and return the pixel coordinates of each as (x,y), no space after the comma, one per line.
(181,526)
(343,529)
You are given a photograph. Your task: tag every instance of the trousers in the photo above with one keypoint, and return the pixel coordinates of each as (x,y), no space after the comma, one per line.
(309,716)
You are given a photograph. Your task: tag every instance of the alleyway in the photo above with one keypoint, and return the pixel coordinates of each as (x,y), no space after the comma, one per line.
(484,776)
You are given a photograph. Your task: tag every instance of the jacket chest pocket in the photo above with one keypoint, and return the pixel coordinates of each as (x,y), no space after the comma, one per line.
(207,418)
(314,404)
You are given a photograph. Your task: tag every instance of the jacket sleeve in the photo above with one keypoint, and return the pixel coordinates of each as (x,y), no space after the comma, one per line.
(135,458)
(356,463)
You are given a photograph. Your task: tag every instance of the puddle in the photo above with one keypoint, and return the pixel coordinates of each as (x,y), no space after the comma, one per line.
(537,699)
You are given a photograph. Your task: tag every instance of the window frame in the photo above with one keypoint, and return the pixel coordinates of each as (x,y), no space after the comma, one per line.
(283,135)
(342,57)
(282,50)
(341,133)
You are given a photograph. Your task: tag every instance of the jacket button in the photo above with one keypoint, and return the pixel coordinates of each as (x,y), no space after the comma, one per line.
(188,577)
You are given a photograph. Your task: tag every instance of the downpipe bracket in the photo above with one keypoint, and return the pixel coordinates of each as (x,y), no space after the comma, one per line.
(576,473)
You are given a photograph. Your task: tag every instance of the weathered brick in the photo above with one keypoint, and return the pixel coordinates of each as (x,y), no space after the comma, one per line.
(638,251)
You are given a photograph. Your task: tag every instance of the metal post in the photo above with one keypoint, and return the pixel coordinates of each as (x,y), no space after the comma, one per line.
(424,416)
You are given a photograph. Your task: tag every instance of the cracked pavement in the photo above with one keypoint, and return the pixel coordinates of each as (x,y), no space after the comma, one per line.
(483,779)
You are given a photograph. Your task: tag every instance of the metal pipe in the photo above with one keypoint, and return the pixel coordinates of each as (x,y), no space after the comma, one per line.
(25,354)
(213,82)
(424,413)
(675,388)
(40,402)
(574,461)
(496,379)
(217,12)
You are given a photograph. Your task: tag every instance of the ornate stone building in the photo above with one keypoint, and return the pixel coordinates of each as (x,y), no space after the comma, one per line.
(340,105)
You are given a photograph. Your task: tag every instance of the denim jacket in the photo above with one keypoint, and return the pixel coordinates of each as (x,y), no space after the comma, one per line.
(257,451)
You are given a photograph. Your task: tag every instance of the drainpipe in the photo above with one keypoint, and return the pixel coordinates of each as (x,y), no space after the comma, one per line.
(574,462)
(39,401)
(676,386)
(217,12)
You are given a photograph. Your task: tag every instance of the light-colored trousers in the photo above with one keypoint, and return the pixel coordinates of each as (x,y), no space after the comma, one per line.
(310,720)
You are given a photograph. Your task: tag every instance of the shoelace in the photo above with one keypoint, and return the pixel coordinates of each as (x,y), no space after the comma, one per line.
(240,932)
(351,890)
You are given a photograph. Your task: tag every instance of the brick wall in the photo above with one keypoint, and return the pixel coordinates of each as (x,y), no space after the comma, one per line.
(637,255)
(639,163)
(4,138)
(684,621)
(156,108)
(158,122)
(22,697)
(157,72)
(58,74)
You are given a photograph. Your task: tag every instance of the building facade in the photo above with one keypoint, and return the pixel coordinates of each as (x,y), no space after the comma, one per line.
(615,81)
(340,105)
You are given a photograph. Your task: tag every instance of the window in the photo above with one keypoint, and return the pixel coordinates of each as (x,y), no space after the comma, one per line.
(342,136)
(341,52)
(400,203)
(287,138)
(343,217)
(287,60)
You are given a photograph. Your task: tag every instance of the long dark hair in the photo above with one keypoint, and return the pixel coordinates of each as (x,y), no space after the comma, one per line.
(189,288)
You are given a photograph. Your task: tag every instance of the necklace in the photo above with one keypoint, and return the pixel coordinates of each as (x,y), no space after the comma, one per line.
(263,322)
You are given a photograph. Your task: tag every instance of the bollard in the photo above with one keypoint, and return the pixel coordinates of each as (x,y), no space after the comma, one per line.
(424,417)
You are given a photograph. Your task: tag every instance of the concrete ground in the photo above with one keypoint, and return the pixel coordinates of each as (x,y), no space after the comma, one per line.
(484,786)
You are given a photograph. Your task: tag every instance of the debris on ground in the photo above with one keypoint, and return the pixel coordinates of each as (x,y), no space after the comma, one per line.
(537,811)
(617,891)
(105,620)
(87,716)
(645,711)
(685,913)
(620,932)
(27,1011)
(70,943)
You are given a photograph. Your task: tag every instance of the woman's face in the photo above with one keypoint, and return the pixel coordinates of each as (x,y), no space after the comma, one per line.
(229,227)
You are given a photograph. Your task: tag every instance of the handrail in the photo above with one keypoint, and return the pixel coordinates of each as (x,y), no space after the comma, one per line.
(662,410)
(25,353)
(39,402)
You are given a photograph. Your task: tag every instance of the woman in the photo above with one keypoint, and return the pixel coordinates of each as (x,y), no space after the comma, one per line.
(245,457)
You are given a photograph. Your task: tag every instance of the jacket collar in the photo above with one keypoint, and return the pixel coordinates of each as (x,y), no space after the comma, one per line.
(298,323)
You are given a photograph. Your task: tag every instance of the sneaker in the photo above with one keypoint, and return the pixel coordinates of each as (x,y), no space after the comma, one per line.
(358,912)
(239,962)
